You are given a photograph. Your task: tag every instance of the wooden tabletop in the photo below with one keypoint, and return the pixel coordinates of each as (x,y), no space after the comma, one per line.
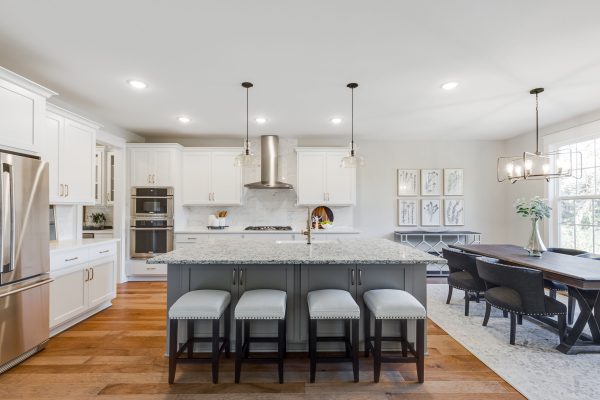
(582,273)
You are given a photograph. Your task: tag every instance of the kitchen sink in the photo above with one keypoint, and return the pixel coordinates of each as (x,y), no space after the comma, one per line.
(303,242)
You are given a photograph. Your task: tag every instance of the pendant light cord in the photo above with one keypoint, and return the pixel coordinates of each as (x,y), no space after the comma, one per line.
(352,124)
(247,117)
(537,131)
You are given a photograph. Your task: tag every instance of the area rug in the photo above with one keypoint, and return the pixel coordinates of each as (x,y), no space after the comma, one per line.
(532,366)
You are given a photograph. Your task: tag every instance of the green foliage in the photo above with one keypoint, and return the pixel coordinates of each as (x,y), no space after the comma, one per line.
(98,218)
(536,208)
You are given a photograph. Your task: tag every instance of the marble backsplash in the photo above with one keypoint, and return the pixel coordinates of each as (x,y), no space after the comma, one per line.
(265,207)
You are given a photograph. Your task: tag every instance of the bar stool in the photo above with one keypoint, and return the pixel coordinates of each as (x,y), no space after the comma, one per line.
(261,304)
(393,304)
(192,306)
(330,304)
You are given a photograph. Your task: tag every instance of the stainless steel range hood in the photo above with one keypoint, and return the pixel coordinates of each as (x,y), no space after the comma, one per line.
(269,154)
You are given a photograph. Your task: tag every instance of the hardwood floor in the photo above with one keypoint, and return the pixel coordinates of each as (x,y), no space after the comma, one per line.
(118,354)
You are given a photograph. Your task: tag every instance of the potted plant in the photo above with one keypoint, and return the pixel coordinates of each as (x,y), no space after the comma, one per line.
(536,209)
(98,220)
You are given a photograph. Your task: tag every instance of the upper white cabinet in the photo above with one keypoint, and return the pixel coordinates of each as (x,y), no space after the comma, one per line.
(69,146)
(322,180)
(111,160)
(153,165)
(22,110)
(99,176)
(209,176)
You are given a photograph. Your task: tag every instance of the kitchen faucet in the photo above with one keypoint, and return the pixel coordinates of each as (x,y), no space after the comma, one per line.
(308,231)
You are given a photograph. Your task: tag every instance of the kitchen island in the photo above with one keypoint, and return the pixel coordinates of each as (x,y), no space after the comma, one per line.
(355,265)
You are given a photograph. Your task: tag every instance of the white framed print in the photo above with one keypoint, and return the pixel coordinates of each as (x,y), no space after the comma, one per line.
(453,181)
(407,212)
(454,212)
(408,182)
(431,182)
(430,212)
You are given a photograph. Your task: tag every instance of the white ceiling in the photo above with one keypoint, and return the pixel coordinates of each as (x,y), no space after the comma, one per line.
(301,54)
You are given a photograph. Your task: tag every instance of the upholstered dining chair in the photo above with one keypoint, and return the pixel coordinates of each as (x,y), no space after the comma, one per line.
(519,291)
(463,275)
(554,287)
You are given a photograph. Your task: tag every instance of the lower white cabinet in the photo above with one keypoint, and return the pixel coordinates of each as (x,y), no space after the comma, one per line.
(82,288)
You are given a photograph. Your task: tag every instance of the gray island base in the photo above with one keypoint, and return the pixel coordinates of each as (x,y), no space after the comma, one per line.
(356,265)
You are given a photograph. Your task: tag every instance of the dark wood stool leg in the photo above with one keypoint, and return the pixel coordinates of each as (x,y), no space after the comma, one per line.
(421,350)
(285,337)
(215,349)
(281,347)
(238,348)
(571,310)
(377,351)
(404,336)
(467,298)
(520,319)
(246,337)
(562,326)
(449,294)
(367,328)
(355,324)
(513,327)
(227,328)
(505,314)
(172,348)
(312,346)
(347,337)
(190,337)
(488,310)
(476,297)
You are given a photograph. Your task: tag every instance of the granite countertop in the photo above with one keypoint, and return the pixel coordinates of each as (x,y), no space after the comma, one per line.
(240,229)
(61,245)
(249,251)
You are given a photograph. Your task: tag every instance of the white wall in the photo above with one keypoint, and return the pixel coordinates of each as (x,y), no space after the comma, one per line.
(376,213)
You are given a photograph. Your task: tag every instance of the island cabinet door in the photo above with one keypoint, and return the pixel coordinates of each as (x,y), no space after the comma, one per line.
(324,276)
(410,278)
(215,277)
(277,277)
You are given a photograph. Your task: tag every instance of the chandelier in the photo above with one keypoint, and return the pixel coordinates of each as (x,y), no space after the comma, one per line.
(537,166)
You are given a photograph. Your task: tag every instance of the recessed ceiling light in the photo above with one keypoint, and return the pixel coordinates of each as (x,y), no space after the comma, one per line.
(260,120)
(134,83)
(184,120)
(336,121)
(449,85)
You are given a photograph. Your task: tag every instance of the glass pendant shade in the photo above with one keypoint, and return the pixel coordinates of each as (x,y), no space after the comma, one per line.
(353,161)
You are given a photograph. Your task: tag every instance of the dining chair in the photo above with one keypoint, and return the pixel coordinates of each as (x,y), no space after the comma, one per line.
(519,291)
(463,276)
(555,287)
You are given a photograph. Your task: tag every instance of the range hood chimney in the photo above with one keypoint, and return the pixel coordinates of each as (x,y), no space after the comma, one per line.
(269,153)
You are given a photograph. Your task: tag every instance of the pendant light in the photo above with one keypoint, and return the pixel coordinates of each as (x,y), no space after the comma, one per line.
(246,159)
(538,165)
(352,160)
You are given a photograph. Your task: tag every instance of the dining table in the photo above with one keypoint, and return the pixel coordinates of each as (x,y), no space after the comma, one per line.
(580,275)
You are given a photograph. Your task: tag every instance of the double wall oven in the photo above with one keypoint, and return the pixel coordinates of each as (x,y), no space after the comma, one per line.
(151,221)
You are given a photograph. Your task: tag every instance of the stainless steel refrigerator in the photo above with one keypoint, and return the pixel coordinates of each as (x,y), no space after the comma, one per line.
(24,258)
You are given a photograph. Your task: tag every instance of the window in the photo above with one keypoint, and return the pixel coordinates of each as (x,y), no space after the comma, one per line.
(578,201)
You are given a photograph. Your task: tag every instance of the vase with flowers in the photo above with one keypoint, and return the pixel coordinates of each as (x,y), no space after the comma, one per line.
(535,209)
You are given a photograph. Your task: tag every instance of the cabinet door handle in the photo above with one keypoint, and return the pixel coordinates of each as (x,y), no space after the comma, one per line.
(87,275)
(233,281)
(149,180)
(67,191)
(92,278)
(71,259)
(150,268)
(352,275)
(241,282)
(103,251)
(360,277)
(192,238)
(61,190)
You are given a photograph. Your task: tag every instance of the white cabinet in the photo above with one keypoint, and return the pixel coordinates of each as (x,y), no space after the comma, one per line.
(153,165)
(22,110)
(209,177)
(84,283)
(322,180)
(98,176)
(68,145)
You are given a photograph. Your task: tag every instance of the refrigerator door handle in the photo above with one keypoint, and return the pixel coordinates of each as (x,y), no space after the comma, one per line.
(11,210)
(22,289)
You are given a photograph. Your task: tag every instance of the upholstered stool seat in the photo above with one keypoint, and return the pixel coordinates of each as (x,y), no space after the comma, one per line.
(394,304)
(333,304)
(260,304)
(199,305)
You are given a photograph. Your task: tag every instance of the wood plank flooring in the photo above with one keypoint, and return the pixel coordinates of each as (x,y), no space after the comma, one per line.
(118,354)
